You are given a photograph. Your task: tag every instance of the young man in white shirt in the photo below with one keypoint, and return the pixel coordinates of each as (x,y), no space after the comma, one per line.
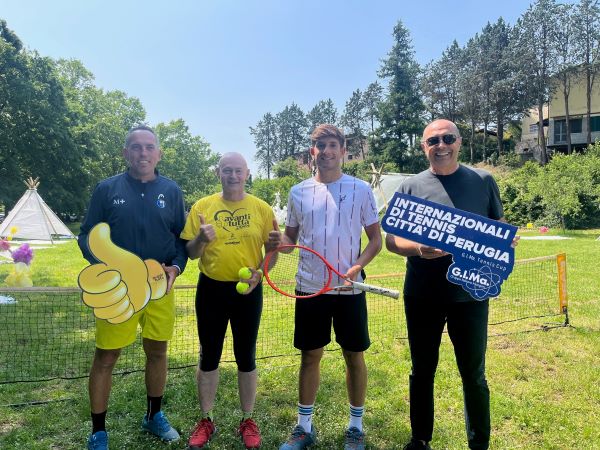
(328,213)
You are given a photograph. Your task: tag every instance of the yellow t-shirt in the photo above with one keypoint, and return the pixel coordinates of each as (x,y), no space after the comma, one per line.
(241,229)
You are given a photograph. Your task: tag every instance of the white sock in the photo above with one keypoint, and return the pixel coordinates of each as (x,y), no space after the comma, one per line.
(356,415)
(305,413)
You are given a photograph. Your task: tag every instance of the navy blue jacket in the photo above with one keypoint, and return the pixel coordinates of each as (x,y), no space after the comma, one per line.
(145,218)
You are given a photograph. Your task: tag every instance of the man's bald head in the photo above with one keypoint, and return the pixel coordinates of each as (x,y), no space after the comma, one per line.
(441,124)
(232,158)
(233,173)
(441,144)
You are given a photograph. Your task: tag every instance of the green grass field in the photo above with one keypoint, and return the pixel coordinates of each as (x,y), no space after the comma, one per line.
(544,385)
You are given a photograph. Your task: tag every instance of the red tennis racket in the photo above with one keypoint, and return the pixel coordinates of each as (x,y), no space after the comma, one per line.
(282,264)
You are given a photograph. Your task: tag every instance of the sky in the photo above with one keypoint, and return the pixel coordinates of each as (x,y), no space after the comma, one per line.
(222,64)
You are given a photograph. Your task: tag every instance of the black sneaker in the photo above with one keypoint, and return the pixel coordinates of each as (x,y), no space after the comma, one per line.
(415,444)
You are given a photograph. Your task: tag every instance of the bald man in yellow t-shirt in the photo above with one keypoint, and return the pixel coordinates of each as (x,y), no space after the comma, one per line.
(228,231)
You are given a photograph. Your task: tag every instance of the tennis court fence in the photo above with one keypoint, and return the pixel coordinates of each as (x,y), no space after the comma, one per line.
(47,333)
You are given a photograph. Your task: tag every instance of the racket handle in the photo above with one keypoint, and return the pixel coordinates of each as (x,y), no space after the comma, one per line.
(376,289)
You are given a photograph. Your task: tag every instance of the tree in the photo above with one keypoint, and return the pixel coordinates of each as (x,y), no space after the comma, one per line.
(520,202)
(354,120)
(98,120)
(429,84)
(290,168)
(266,142)
(563,37)
(187,159)
(504,100)
(34,129)
(400,112)
(535,55)
(9,37)
(292,130)
(372,97)
(587,36)
(15,90)
(470,90)
(561,186)
(448,70)
(323,112)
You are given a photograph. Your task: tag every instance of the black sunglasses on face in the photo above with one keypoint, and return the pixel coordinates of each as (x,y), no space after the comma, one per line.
(448,139)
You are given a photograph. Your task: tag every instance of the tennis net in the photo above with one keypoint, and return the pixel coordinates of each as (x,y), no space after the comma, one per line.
(47,333)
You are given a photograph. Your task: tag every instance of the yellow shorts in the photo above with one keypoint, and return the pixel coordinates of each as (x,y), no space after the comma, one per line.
(157,320)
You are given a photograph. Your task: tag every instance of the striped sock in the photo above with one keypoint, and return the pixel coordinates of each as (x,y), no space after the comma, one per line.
(356,415)
(305,413)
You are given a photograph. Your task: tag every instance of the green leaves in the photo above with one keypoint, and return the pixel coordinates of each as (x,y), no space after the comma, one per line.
(564,192)
(187,159)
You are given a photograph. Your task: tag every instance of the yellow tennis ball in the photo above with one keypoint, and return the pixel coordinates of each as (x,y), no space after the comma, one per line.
(241,287)
(245,273)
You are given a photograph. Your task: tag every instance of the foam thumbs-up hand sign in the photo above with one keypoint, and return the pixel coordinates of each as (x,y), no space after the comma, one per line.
(206,232)
(274,240)
(121,284)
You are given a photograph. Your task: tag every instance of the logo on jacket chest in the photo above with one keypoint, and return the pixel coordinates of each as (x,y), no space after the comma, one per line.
(160,201)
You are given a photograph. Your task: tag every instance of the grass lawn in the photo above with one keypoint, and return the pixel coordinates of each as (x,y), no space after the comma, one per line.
(544,385)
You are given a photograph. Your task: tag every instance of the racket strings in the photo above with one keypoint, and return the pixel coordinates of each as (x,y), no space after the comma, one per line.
(282,273)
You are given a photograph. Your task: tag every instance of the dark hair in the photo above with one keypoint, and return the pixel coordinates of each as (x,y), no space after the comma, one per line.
(326,130)
(140,127)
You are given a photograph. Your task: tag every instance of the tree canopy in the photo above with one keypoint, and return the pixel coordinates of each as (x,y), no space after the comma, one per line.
(56,124)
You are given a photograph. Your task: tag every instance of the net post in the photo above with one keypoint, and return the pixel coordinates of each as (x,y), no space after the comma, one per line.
(561,265)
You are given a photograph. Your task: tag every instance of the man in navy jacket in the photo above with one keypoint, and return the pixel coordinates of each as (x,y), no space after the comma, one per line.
(146,215)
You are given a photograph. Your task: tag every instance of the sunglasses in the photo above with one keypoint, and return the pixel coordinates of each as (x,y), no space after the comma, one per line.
(448,139)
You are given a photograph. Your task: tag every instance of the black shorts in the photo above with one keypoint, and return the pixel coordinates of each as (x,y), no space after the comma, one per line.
(314,316)
(217,303)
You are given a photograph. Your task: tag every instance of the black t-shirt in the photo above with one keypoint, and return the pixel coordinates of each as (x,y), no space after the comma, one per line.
(469,189)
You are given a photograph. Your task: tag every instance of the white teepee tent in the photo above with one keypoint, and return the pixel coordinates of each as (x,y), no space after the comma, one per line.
(33,218)
(384,185)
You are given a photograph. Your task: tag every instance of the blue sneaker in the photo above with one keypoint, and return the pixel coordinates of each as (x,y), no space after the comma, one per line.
(355,439)
(160,426)
(98,441)
(300,439)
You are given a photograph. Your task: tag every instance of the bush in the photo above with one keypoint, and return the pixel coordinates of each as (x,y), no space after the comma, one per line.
(565,192)
(266,189)
(521,204)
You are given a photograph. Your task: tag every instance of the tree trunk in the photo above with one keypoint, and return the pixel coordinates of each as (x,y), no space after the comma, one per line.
(541,137)
(500,135)
(362,147)
(472,141)
(568,120)
(588,94)
(268,157)
(485,125)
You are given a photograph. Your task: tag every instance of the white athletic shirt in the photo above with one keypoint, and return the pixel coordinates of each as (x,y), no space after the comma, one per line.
(330,218)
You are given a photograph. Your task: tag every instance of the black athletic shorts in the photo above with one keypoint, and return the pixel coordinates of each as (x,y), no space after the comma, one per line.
(217,303)
(348,313)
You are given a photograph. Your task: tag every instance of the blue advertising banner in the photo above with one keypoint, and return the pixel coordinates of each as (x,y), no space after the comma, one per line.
(482,256)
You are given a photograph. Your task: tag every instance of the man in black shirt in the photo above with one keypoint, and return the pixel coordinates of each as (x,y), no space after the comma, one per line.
(431,301)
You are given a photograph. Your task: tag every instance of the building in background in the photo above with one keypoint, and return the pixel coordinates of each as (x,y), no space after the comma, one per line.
(555,124)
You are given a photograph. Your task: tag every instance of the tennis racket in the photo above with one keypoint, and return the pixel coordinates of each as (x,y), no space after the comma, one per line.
(282,264)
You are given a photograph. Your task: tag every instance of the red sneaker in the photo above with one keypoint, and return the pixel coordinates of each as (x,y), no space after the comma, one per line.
(204,430)
(250,433)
